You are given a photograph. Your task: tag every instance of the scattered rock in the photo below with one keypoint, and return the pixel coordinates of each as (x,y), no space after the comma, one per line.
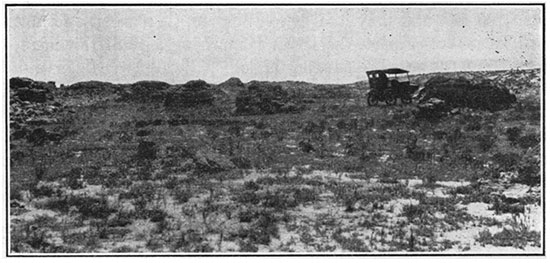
(211,162)
(516,192)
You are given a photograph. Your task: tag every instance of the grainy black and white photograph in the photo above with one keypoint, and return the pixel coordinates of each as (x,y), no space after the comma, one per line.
(370,129)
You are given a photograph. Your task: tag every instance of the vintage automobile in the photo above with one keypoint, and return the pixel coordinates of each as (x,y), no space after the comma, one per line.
(388,85)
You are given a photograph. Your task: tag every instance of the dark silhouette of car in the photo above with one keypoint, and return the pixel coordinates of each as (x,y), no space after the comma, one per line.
(388,85)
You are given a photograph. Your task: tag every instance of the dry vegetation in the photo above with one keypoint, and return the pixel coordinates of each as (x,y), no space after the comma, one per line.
(106,174)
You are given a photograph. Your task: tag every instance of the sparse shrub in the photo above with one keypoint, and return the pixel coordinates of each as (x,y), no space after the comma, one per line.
(156,215)
(485,142)
(507,161)
(352,243)
(247,197)
(528,141)
(242,162)
(154,244)
(145,189)
(47,189)
(252,186)
(529,171)
(182,194)
(247,245)
(513,134)
(87,206)
(142,133)
(74,178)
(147,150)
(246,216)
(121,219)
(347,194)
(92,207)
(518,237)
(32,236)
(191,241)
(463,190)
(413,211)
(124,249)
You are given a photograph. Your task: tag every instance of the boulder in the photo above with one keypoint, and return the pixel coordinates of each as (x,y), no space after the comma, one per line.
(17,83)
(211,162)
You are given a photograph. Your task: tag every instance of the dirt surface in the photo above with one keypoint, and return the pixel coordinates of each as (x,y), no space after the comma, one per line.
(113,171)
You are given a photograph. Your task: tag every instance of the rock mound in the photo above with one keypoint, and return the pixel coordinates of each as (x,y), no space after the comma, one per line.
(89,89)
(264,98)
(144,91)
(190,94)
(462,92)
(31,105)
(26,89)
(232,86)
(523,83)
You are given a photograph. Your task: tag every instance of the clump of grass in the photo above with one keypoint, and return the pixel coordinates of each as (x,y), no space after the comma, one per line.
(413,211)
(486,142)
(513,134)
(182,194)
(353,243)
(87,206)
(518,237)
(191,241)
(33,236)
(528,141)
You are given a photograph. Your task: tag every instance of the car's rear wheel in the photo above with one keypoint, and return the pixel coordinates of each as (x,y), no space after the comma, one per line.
(371,100)
(389,98)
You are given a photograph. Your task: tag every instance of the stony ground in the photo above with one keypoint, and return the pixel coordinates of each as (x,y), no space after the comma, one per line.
(104,175)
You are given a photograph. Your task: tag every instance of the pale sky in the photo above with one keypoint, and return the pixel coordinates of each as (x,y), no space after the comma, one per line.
(314,44)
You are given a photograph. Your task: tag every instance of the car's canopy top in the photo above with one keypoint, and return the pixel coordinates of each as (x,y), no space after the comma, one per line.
(390,71)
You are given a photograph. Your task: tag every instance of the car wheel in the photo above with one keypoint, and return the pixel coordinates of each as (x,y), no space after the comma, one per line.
(371,100)
(391,100)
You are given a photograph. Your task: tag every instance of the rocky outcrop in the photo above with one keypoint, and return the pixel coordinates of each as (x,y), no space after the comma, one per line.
(232,86)
(461,92)
(190,94)
(26,89)
(32,105)
(144,91)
